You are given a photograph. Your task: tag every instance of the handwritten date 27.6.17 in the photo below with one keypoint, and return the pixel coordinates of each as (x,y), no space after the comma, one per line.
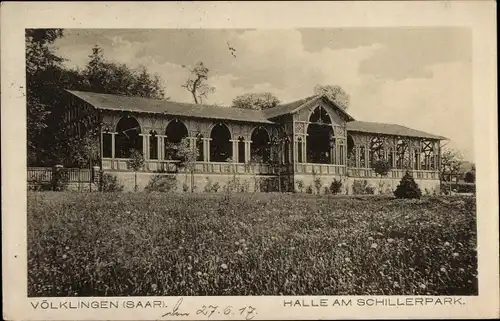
(248,312)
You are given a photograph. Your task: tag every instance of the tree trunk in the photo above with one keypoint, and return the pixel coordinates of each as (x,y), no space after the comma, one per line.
(135,182)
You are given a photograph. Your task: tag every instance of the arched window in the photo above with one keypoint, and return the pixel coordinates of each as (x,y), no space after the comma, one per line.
(351,155)
(260,148)
(220,145)
(153,145)
(107,144)
(319,137)
(175,132)
(376,150)
(127,137)
(199,146)
(403,154)
(241,150)
(362,156)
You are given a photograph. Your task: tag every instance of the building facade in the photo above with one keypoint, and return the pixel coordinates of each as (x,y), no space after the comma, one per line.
(300,145)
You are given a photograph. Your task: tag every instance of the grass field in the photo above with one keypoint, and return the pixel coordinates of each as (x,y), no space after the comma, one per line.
(94,244)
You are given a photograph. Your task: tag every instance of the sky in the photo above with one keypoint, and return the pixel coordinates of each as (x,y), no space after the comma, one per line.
(416,77)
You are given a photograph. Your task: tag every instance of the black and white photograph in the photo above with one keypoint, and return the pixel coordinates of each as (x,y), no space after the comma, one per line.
(222,162)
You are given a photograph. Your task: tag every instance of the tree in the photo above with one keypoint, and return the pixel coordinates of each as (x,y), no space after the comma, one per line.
(407,188)
(136,162)
(451,161)
(257,101)
(103,76)
(334,93)
(381,167)
(42,69)
(470,176)
(187,158)
(196,83)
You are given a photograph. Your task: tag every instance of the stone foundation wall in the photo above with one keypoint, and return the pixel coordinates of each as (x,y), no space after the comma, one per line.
(242,182)
(251,183)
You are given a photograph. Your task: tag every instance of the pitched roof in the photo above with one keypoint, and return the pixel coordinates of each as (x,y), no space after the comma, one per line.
(294,106)
(146,105)
(389,129)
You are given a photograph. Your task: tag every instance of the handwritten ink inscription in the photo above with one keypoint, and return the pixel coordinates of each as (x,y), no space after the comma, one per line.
(248,312)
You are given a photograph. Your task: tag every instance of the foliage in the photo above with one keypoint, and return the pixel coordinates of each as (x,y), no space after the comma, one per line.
(162,183)
(335,186)
(136,162)
(60,180)
(41,66)
(451,161)
(109,183)
(334,93)
(361,187)
(300,185)
(83,150)
(257,101)
(407,188)
(317,185)
(309,189)
(381,167)
(446,187)
(470,176)
(145,244)
(185,187)
(196,83)
(46,80)
(211,187)
(103,76)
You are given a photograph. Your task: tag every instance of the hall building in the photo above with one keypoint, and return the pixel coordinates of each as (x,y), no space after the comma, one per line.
(299,144)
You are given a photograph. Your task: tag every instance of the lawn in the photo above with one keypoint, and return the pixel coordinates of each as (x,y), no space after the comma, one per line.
(97,244)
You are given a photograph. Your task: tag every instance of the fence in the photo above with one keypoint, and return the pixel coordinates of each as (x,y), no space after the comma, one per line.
(41,178)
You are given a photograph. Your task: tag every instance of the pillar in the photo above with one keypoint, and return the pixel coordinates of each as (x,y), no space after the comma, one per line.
(356,156)
(304,150)
(113,145)
(247,151)
(159,145)
(367,157)
(206,149)
(394,155)
(145,145)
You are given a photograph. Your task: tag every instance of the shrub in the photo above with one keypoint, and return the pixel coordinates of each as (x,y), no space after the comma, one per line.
(185,187)
(369,190)
(309,189)
(470,177)
(407,188)
(317,185)
(359,187)
(211,187)
(60,180)
(335,186)
(326,190)
(300,185)
(109,183)
(381,167)
(458,187)
(162,183)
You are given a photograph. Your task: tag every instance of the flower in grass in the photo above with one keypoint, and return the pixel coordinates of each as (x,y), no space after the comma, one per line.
(199,273)
(292,248)
(390,240)
(410,240)
(236,243)
(189,257)
(395,284)
(422,286)
(64,256)
(242,240)
(442,269)
(240,252)
(154,287)
(374,245)
(454,254)
(347,259)
(181,248)
(370,238)
(223,266)
(67,247)
(189,267)
(446,243)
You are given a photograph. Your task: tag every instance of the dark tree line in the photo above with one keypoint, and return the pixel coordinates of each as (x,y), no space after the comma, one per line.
(46,79)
